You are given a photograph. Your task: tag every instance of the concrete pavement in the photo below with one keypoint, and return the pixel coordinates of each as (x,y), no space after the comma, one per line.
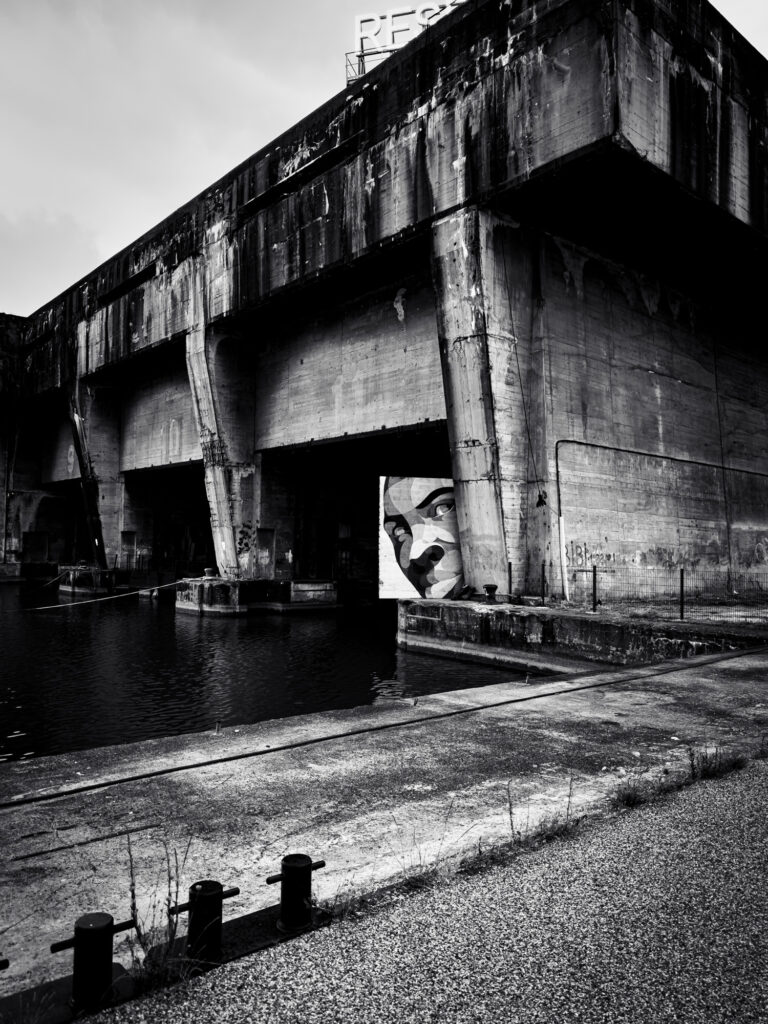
(658,915)
(379,792)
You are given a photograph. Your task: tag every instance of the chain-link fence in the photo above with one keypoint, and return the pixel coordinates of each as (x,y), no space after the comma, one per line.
(700,595)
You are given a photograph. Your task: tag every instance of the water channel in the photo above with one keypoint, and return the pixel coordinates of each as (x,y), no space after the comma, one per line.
(73,678)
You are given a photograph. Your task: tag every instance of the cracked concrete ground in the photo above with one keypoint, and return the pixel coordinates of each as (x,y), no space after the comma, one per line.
(377,792)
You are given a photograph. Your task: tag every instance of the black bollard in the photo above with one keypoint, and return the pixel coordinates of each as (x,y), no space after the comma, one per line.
(490,592)
(295,891)
(92,965)
(204,929)
(92,962)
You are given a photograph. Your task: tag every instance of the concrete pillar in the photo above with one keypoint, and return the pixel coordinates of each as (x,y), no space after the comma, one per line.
(215,456)
(543,530)
(5,458)
(11,328)
(225,423)
(462,262)
(96,432)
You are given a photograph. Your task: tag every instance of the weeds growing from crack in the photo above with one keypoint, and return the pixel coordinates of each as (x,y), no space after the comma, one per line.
(705,763)
(713,762)
(416,872)
(520,840)
(632,792)
(153,943)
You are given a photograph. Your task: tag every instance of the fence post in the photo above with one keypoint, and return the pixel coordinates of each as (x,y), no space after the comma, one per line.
(543,582)
(682,594)
(594,588)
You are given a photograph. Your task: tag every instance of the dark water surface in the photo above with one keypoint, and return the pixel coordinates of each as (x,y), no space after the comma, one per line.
(127,670)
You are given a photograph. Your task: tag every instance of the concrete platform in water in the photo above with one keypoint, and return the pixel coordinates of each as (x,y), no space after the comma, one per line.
(92,581)
(214,595)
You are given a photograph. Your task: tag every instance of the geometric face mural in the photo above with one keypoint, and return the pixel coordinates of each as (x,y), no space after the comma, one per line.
(419,552)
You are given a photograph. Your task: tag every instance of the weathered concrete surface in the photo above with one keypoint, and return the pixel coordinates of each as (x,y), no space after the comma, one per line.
(376,803)
(507,632)
(655,916)
(491,96)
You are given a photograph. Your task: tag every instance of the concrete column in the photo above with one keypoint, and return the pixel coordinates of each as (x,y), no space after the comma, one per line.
(543,531)
(224,420)
(462,261)
(5,457)
(96,431)
(11,328)
(215,456)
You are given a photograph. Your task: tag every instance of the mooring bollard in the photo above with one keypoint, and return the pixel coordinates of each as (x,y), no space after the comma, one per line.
(92,962)
(295,891)
(205,920)
(490,592)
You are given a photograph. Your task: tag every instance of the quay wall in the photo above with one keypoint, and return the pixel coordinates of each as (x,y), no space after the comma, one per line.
(508,634)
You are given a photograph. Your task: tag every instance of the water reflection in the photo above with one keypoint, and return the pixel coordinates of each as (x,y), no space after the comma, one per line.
(78,677)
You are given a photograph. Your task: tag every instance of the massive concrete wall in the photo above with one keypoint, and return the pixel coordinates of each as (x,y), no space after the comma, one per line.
(693,101)
(640,410)
(157,423)
(488,98)
(58,459)
(374,367)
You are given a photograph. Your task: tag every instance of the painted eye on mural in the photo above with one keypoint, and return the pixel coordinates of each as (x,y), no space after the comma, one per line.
(443,509)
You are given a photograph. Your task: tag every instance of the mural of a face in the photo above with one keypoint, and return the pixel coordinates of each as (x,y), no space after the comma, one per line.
(420,520)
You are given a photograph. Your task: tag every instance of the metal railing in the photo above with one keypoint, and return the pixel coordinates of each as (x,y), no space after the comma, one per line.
(682,593)
(360,63)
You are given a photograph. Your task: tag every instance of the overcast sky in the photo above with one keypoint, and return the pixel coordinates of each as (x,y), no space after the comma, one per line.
(115,112)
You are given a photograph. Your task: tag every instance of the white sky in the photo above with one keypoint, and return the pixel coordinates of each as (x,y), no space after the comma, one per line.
(113,113)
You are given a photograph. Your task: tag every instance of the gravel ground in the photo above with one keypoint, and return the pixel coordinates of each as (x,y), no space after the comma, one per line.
(658,914)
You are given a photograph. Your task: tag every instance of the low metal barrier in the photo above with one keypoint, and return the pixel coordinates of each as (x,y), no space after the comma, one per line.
(93,934)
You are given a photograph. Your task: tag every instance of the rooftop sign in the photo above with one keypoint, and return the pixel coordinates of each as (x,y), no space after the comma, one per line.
(377,35)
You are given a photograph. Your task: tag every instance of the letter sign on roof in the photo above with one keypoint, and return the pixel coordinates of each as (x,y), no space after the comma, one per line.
(384,33)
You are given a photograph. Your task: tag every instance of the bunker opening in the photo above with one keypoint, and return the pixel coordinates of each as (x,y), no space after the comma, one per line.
(166,523)
(323,522)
